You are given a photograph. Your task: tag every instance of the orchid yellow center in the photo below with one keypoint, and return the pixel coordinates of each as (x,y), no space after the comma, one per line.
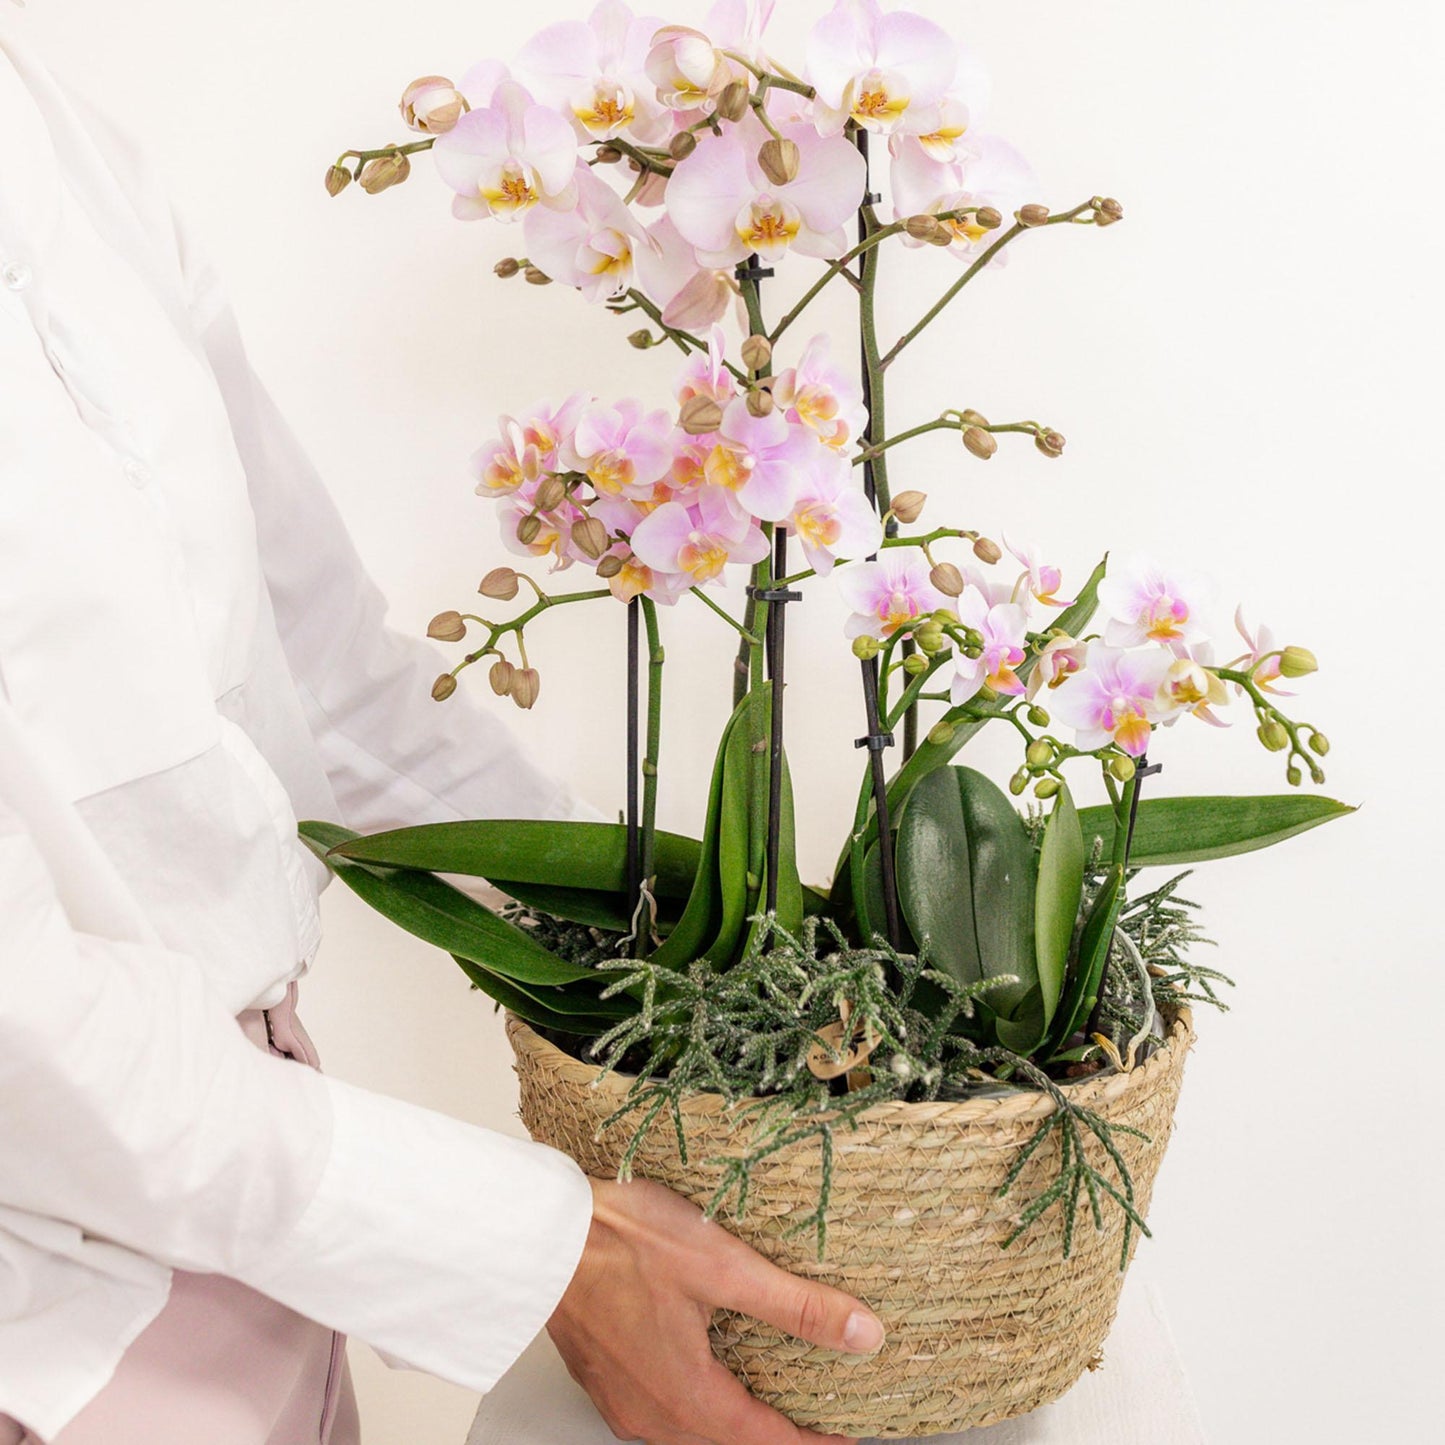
(702,556)
(632,581)
(816,406)
(728,468)
(611,255)
(1165,618)
(818,526)
(611,473)
(897,609)
(939,143)
(967,229)
(877,103)
(608,110)
(503,474)
(768,226)
(512,191)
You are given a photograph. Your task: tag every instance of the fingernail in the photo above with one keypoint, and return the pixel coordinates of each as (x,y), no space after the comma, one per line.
(863,1332)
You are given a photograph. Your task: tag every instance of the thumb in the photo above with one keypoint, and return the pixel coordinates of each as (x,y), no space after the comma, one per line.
(814,1312)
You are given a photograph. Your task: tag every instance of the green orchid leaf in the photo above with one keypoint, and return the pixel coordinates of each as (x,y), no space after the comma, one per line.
(792,901)
(530,1008)
(1056,904)
(967,882)
(1174,831)
(525,850)
(1081,991)
(437,913)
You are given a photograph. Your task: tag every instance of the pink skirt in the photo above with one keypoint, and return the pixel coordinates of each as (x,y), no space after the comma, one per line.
(222,1364)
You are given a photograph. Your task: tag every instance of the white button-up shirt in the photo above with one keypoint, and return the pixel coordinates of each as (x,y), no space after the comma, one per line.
(190,656)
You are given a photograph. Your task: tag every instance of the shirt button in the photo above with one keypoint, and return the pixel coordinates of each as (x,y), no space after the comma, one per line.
(16,275)
(136,473)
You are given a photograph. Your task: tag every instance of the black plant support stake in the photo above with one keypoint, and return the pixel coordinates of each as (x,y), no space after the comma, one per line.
(634,757)
(876,740)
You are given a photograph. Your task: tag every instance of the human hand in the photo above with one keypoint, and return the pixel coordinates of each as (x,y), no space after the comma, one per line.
(633,1324)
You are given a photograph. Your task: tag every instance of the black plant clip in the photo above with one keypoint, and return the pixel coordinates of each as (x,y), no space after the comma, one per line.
(875,742)
(751,270)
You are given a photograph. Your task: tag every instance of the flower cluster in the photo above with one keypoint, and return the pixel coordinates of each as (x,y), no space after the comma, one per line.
(643,155)
(660,502)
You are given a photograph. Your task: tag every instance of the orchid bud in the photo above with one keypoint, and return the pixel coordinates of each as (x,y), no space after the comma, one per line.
(590,537)
(947,579)
(970,417)
(501,676)
(1039,754)
(930,638)
(443,687)
(866,648)
(447,627)
(757,352)
(942,237)
(987,551)
(1122,767)
(1293,776)
(1107,211)
(979,442)
(501,583)
(941,734)
(732,104)
(923,227)
(915,665)
(908,506)
(779,160)
(1018,783)
(433,105)
(609,567)
(700,415)
(760,402)
(608,155)
(507,268)
(383,173)
(1319,743)
(550,494)
(641,340)
(1032,215)
(526,685)
(988,218)
(1046,787)
(337,180)
(683,145)
(535,276)
(1297,662)
(1050,443)
(1038,717)
(527,530)
(1274,735)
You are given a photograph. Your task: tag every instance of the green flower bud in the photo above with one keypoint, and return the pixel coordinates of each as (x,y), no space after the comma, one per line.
(1319,743)
(1293,776)
(337,180)
(1038,717)
(1018,783)
(1122,767)
(866,648)
(941,734)
(640,340)
(930,638)
(1274,735)
(915,665)
(1040,754)
(1046,787)
(1297,662)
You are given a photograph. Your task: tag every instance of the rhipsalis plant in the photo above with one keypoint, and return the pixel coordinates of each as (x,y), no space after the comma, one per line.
(708,194)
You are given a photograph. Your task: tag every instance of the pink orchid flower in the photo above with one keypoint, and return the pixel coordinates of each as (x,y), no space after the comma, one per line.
(504,158)
(738,26)
(692,297)
(1115,698)
(593,247)
(942,127)
(1256,660)
(1143,603)
(874,68)
(595,71)
(507,463)
(1191,687)
(723,205)
(822,396)
(554,539)
(707,375)
(991,173)
(1042,579)
(1060,659)
(888,594)
(698,542)
(687,69)
(623,450)
(763,460)
(1004,629)
(833,517)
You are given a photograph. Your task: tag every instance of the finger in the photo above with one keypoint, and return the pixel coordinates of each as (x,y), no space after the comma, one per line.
(818,1313)
(738,1418)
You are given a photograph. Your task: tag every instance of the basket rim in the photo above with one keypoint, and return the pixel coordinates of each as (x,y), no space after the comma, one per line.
(1104,1090)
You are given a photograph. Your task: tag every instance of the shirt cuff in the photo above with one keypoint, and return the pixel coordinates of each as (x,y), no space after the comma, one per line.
(445,1246)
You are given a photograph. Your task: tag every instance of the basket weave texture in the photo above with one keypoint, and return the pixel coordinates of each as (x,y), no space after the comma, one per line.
(976,1333)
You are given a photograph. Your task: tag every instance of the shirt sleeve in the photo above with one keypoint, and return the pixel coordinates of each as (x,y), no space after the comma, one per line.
(393,755)
(137,1111)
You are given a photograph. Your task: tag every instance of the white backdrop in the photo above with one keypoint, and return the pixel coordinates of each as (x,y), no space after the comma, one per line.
(1247,373)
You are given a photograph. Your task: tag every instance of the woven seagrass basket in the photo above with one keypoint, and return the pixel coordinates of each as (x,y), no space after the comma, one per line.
(976,1333)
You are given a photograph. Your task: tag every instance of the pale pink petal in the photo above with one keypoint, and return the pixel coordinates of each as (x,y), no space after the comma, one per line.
(707,191)
(661,536)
